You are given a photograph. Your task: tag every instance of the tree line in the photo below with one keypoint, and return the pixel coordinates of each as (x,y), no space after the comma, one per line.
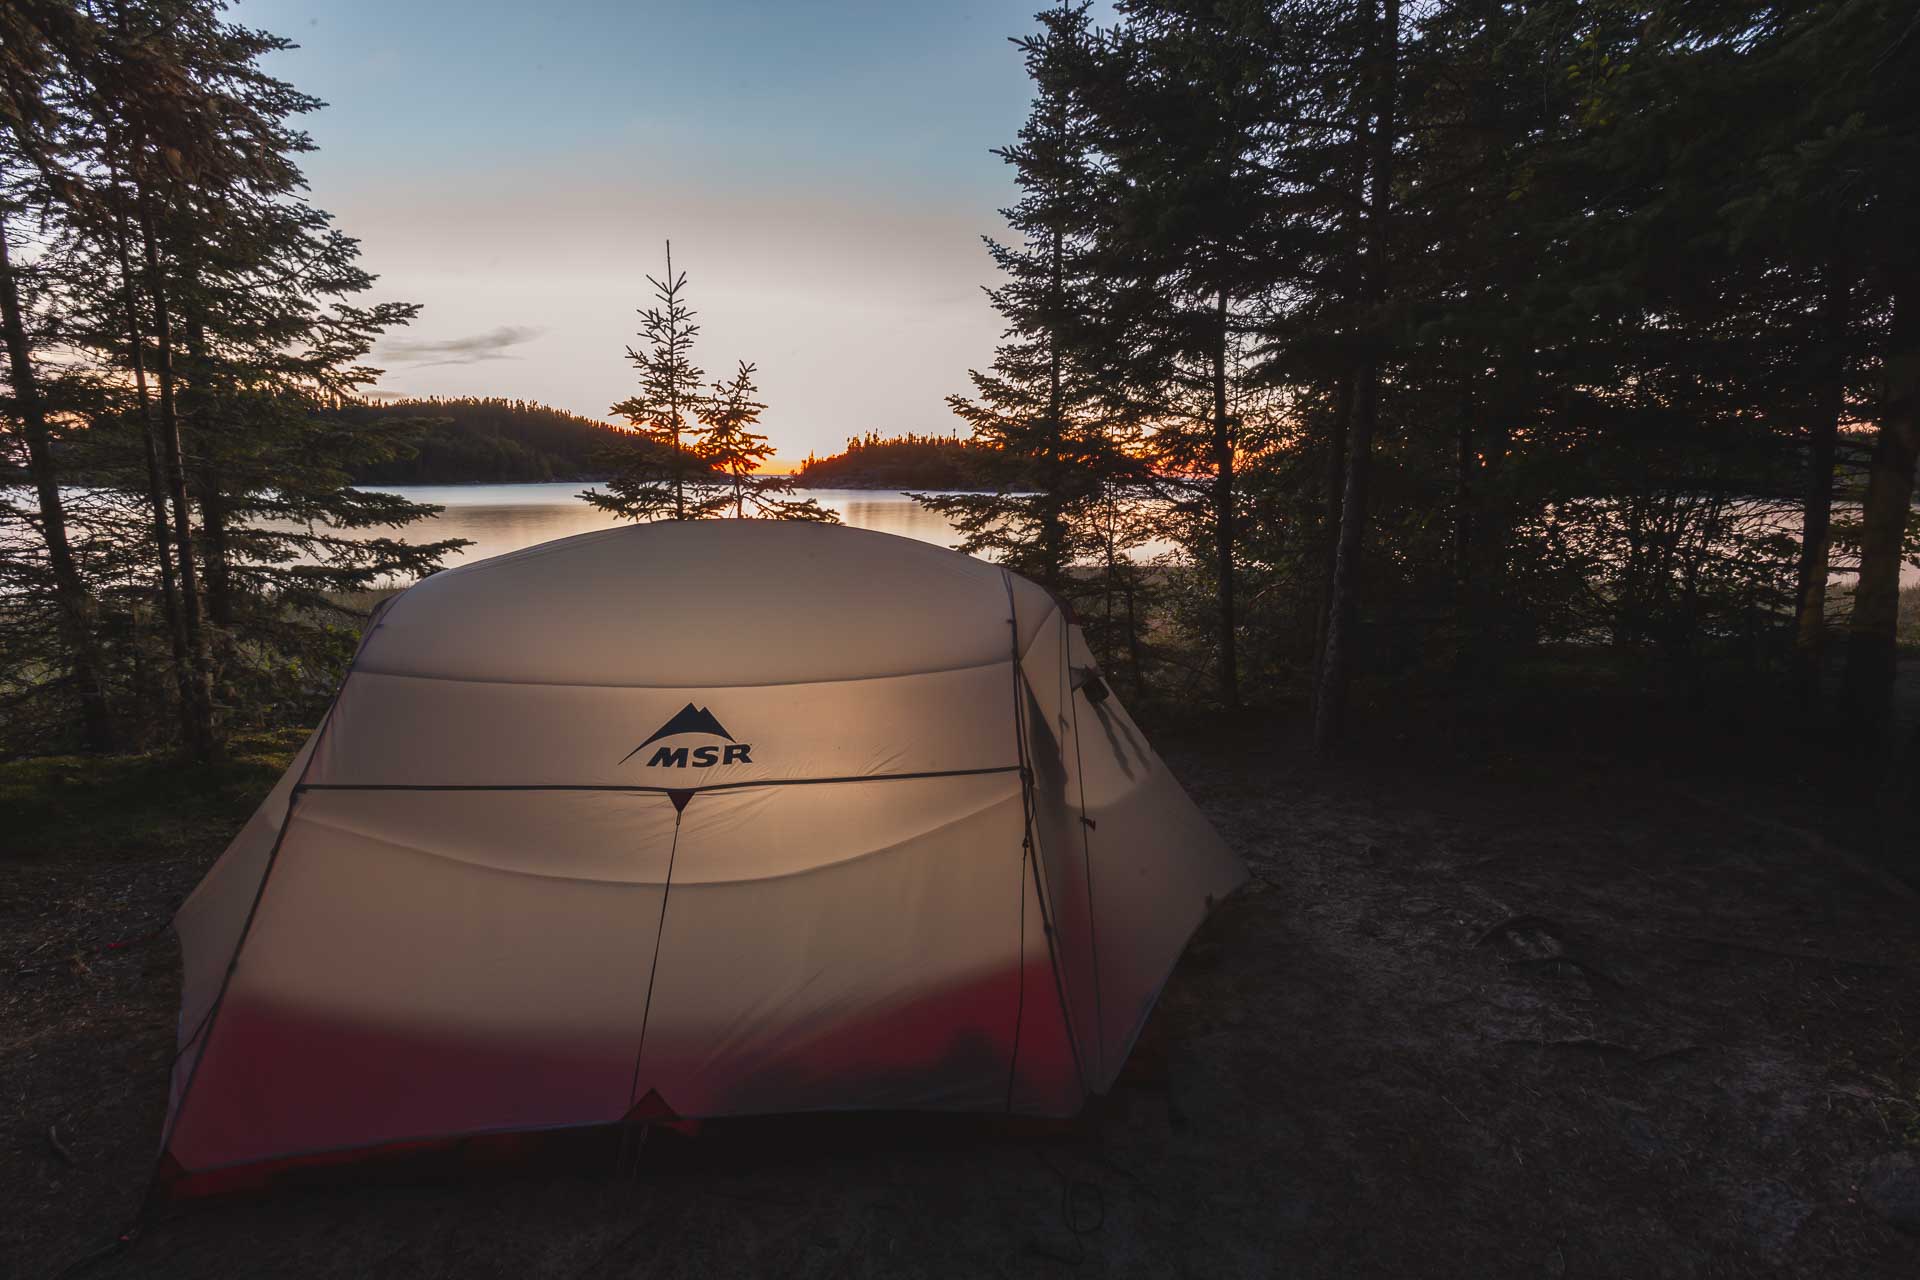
(1448,331)
(1433,334)
(487,439)
(181,328)
(911,460)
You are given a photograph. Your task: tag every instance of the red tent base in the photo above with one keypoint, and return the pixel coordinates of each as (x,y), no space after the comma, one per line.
(673,1144)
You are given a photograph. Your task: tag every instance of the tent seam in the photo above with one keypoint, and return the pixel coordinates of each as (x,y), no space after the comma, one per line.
(653,970)
(683,685)
(1086,860)
(646,789)
(1022,690)
(640,884)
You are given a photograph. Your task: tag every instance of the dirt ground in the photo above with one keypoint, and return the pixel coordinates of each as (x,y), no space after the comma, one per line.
(1539,1013)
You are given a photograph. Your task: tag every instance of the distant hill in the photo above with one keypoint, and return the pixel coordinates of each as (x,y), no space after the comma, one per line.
(492,441)
(897,462)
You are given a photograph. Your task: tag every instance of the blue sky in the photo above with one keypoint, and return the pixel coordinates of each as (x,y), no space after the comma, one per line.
(823,170)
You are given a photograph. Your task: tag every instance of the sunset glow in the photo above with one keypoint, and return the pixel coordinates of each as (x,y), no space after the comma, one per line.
(519,182)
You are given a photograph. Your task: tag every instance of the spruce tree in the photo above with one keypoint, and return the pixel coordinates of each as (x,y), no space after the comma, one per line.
(726,442)
(207,325)
(1381,134)
(660,475)
(1182,99)
(1038,409)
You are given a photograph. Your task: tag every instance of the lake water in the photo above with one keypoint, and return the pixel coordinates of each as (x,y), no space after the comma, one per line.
(498,518)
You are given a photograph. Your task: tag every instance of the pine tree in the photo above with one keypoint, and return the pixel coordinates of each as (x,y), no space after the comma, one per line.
(658,476)
(730,447)
(207,329)
(1182,97)
(37,83)
(1039,410)
(1363,406)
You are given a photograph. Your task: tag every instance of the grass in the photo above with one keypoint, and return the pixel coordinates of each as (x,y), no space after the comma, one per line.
(136,807)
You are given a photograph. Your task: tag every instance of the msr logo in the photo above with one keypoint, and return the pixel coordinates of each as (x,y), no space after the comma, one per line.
(692,720)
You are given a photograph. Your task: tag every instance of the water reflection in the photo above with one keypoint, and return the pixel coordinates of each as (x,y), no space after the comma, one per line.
(498,518)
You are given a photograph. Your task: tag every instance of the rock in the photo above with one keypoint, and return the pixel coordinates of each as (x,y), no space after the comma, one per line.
(1891,1189)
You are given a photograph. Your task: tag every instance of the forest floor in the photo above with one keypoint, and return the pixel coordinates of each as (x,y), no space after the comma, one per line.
(1547,1007)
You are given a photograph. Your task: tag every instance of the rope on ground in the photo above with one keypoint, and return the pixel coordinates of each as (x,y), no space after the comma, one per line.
(1076,1195)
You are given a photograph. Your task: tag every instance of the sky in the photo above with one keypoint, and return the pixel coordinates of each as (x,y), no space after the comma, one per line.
(824,171)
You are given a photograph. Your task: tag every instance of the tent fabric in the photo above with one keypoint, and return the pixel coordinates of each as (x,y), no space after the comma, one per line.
(717,818)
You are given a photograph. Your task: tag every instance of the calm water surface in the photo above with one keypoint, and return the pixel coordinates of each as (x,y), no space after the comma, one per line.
(498,518)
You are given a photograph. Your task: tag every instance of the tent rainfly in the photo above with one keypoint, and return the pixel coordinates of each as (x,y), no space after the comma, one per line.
(688,820)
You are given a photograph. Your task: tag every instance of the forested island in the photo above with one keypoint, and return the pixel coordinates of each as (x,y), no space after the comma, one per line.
(485,440)
(496,440)
(909,461)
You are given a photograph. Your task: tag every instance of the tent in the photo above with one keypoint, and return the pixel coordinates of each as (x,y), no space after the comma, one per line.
(688,820)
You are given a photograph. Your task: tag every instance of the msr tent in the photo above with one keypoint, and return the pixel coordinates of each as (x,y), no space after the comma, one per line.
(688,820)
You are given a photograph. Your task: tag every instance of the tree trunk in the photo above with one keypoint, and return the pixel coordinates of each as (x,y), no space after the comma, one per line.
(1871,641)
(201,741)
(1223,530)
(1336,668)
(1816,519)
(673,407)
(72,601)
(214,528)
(1465,464)
(1513,408)
(1052,524)
(210,486)
(1335,492)
(156,487)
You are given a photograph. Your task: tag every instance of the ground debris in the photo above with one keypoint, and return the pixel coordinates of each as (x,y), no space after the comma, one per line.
(1891,1189)
(1352,1074)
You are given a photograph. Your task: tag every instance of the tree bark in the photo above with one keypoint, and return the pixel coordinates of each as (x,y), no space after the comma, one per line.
(673,408)
(72,601)
(1329,708)
(1052,522)
(1871,635)
(1223,516)
(216,556)
(214,528)
(156,486)
(1816,519)
(1335,493)
(201,741)
(1465,464)
(1336,669)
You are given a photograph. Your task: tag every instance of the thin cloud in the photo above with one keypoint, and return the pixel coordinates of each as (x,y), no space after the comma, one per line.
(475,348)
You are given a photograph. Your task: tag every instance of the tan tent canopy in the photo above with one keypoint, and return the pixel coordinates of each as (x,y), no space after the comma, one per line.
(689,820)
